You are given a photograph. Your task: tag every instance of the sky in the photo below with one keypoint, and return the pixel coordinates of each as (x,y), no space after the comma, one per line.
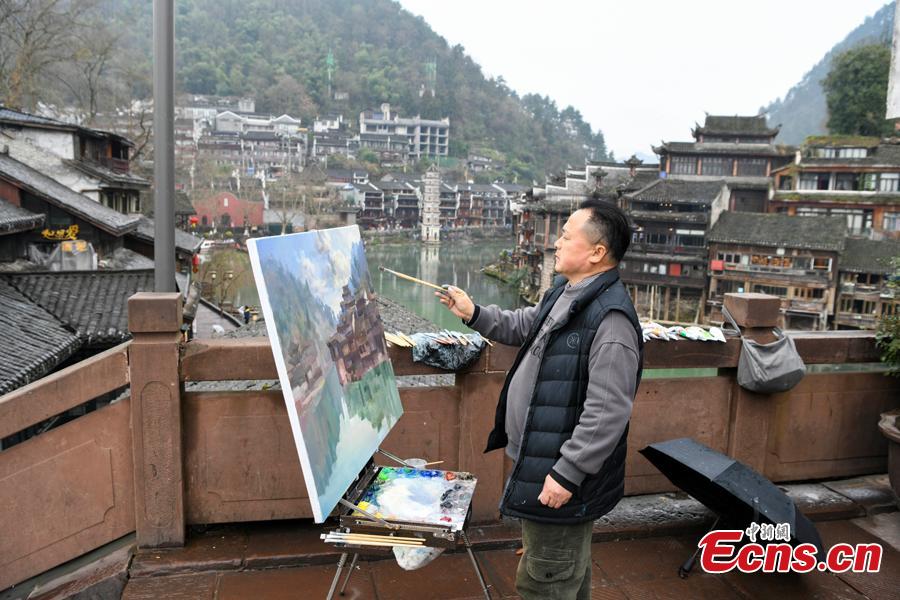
(647,71)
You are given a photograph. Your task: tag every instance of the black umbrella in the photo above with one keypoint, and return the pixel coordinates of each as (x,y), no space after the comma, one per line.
(735,492)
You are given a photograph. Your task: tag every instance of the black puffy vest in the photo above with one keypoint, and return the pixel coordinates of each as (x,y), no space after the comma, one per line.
(556,406)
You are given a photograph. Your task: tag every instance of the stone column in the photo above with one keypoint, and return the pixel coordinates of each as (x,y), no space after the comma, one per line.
(154,320)
(756,315)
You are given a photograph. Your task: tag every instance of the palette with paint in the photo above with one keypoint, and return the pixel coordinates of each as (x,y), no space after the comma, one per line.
(429,504)
(419,495)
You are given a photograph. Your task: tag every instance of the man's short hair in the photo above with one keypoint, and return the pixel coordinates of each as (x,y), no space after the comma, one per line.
(610,226)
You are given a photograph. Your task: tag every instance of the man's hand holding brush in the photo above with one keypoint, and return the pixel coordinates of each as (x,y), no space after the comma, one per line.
(457,301)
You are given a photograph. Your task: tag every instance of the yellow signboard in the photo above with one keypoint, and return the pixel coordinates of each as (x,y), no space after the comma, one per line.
(68,233)
(74,246)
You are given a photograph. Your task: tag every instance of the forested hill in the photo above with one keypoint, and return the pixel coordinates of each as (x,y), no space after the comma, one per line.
(802,112)
(278,51)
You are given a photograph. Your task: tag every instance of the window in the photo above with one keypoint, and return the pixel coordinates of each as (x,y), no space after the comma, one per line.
(889,182)
(809,293)
(814,181)
(727,286)
(822,264)
(867,182)
(803,263)
(694,241)
(891,221)
(751,167)
(770,289)
(732,259)
(846,182)
(717,165)
(786,182)
(851,153)
(684,165)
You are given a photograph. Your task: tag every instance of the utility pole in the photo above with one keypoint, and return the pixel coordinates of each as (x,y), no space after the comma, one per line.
(164,145)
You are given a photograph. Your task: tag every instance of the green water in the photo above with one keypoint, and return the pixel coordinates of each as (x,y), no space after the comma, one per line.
(457,263)
(453,262)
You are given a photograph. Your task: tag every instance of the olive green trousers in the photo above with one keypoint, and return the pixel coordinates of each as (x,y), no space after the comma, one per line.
(556,564)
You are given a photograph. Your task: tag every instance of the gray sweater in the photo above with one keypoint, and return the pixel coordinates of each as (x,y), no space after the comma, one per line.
(613,364)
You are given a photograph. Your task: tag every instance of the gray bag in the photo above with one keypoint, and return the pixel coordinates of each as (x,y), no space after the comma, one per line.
(768,368)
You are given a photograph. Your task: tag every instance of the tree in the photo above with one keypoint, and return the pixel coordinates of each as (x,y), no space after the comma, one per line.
(888,334)
(856,91)
(85,77)
(288,96)
(36,37)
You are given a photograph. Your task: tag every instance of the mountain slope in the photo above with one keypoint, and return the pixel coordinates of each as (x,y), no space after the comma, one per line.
(802,112)
(278,51)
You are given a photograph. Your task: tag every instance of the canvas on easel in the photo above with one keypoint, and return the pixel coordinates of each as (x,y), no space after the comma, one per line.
(328,343)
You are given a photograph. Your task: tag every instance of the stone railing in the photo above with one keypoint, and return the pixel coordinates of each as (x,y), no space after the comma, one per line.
(165,457)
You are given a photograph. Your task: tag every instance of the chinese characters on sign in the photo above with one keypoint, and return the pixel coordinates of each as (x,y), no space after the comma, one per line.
(58,235)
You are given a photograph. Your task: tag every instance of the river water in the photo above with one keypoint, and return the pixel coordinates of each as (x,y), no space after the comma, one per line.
(452,262)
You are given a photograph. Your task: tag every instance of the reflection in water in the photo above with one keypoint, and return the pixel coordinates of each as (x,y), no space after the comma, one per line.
(456,262)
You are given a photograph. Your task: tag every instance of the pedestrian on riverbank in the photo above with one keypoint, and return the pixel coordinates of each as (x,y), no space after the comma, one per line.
(564,409)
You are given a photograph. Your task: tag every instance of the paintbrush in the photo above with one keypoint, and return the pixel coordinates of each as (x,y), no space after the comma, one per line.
(361,541)
(374,536)
(411,278)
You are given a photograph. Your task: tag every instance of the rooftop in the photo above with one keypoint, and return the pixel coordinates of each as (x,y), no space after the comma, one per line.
(15,218)
(736,125)
(9,116)
(743,149)
(780,231)
(184,242)
(92,304)
(868,256)
(56,193)
(676,190)
(34,341)
(110,176)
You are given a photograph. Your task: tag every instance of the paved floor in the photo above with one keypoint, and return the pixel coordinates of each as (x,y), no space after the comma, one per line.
(636,568)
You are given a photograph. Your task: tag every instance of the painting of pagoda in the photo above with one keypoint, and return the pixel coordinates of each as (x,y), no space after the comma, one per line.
(328,343)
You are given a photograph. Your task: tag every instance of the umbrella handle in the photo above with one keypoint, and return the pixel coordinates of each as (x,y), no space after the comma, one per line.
(685,569)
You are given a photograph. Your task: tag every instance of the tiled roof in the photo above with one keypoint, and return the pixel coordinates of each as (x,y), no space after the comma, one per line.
(721,148)
(185,242)
(884,154)
(15,117)
(183,205)
(92,303)
(15,218)
(755,125)
(868,256)
(676,190)
(780,231)
(69,200)
(34,341)
(394,187)
(109,176)
(261,136)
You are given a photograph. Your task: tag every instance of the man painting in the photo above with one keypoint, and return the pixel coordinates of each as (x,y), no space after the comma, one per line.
(564,409)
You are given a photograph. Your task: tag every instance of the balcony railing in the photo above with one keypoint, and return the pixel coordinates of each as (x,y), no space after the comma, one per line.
(120,165)
(165,455)
(668,249)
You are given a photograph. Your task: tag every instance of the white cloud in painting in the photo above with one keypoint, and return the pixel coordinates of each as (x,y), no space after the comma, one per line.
(340,269)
